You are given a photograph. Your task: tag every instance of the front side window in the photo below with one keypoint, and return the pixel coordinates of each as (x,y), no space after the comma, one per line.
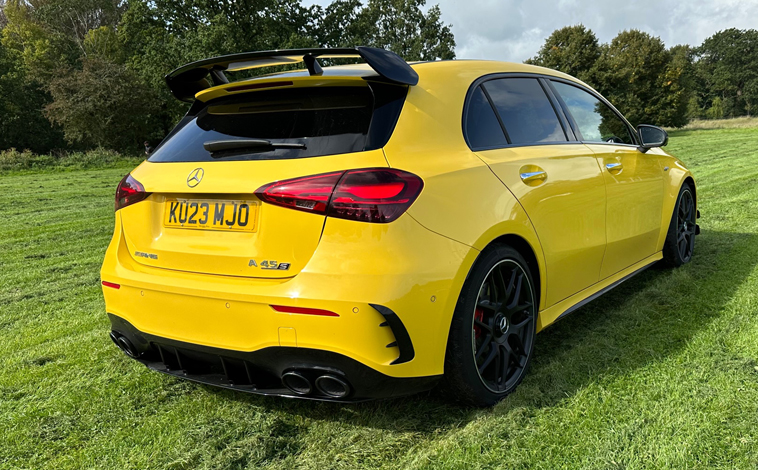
(526,111)
(597,122)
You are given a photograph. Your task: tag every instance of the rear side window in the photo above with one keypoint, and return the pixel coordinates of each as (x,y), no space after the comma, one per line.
(482,127)
(525,110)
(318,121)
(596,121)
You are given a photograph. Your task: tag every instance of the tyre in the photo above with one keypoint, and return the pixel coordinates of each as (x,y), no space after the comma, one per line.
(493,329)
(680,239)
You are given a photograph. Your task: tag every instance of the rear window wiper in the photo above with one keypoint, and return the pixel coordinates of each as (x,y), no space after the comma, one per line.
(249,144)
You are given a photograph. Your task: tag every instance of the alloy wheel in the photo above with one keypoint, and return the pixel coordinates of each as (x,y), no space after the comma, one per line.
(686,216)
(503,326)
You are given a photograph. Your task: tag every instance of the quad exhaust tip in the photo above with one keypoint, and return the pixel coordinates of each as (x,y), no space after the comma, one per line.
(327,385)
(297,383)
(332,386)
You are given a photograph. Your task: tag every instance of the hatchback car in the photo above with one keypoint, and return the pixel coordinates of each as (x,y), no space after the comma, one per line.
(366,231)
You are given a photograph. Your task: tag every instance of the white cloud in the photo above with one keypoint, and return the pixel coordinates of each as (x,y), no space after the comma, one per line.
(515,29)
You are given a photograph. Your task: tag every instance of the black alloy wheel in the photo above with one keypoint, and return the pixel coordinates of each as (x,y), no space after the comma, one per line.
(680,239)
(502,326)
(686,220)
(493,329)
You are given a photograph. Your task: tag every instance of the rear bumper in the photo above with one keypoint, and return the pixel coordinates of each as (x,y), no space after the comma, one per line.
(356,270)
(260,372)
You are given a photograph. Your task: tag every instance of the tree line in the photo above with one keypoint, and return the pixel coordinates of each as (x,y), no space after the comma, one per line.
(78,74)
(652,84)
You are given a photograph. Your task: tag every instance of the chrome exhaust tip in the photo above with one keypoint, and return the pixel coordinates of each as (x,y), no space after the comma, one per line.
(297,383)
(332,386)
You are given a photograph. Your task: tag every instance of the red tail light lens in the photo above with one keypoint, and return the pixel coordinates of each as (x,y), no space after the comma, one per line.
(309,194)
(378,195)
(129,191)
(374,195)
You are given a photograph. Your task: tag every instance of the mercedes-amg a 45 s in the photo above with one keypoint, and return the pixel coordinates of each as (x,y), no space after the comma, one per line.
(366,231)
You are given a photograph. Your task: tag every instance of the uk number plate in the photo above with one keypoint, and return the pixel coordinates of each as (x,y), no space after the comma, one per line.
(211,214)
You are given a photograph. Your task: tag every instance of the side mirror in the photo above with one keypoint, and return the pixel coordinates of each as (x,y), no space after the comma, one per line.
(652,136)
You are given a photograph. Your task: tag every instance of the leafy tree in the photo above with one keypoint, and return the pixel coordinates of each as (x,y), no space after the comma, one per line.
(398,25)
(727,64)
(694,109)
(636,73)
(337,25)
(102,105)
(572,50)
(3,18)
(22,122)
(52,33)
(716,111)
(97,67)
(681,66)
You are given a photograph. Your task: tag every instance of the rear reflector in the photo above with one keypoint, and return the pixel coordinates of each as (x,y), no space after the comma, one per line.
(304,311)
(129,191)
(112,285)
(378,195)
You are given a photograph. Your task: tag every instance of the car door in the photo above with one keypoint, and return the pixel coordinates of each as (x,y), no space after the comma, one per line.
(516,129)
(633,179)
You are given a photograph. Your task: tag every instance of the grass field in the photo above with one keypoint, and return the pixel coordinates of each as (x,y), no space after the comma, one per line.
(662,372)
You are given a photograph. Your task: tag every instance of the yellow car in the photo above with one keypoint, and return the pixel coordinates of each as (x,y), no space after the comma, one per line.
(366,231)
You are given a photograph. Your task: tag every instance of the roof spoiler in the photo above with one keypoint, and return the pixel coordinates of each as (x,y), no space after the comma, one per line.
(186,81)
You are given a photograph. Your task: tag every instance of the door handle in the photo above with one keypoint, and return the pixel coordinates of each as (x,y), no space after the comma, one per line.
(533,176)
(614,167)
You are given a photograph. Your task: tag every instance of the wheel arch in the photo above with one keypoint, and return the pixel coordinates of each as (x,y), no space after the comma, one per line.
(691,181)
(525,249)
(527,244)
(678,176)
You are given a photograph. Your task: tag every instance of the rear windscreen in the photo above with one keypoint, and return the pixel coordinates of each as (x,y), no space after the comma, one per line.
(316,121)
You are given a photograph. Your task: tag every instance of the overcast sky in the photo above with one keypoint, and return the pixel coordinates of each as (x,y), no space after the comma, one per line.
(514,30)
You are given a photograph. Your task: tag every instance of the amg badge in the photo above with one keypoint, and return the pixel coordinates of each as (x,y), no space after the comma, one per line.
(142,254)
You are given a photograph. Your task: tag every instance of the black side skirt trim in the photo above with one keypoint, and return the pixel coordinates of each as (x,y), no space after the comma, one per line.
(597,294)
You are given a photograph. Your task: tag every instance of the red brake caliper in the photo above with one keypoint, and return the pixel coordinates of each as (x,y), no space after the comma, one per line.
(479,315)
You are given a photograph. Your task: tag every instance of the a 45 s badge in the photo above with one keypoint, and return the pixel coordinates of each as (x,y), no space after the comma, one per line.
(266,264)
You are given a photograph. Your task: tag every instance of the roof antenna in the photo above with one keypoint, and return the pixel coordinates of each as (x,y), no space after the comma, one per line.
(314,68)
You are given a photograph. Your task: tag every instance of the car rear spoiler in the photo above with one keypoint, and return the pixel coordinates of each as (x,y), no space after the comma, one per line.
(186,81)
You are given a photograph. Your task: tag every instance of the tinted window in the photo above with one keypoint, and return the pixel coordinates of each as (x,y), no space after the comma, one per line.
(482,127)
(596,121)
(525,110)
(327,121)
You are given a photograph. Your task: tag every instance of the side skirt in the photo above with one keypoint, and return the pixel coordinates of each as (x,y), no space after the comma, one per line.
(563,308)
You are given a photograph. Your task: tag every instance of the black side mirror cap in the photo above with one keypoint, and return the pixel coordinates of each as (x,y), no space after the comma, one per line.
(652,136)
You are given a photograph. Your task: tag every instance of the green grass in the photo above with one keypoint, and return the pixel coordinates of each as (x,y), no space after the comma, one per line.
(660,373)
(743,122)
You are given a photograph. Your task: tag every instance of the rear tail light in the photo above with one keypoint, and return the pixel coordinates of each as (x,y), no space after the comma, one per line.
(378,195)
(309,194)
(129,191)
